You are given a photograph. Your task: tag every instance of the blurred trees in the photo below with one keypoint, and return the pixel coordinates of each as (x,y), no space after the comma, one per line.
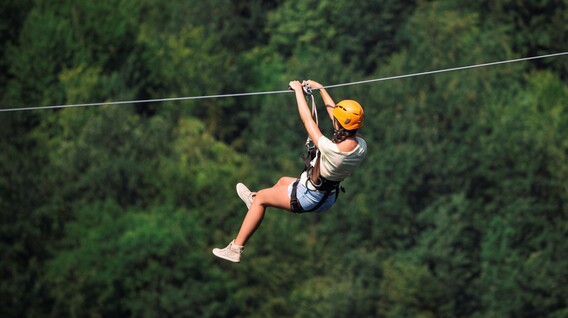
(112,211)
(146,264)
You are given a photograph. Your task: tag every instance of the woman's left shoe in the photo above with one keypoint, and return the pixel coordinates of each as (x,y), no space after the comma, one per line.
(231,253)
(245,194)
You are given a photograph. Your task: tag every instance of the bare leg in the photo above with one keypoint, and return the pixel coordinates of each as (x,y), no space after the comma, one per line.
(276,197)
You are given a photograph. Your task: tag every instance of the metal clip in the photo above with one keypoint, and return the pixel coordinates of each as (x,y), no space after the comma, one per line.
(307,89)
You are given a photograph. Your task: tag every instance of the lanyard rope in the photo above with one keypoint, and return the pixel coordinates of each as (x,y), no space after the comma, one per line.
(308,94)
(311,150)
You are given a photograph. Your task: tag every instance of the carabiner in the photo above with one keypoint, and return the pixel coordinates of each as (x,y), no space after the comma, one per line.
(307,89)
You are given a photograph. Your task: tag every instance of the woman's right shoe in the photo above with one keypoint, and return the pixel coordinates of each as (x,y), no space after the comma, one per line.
(245,194)
(231,253)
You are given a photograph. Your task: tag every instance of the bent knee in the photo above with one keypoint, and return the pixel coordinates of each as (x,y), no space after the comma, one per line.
(284,181)
(273,197)
(281,181)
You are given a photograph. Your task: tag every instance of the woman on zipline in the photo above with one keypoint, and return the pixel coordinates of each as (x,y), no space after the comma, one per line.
(318,187)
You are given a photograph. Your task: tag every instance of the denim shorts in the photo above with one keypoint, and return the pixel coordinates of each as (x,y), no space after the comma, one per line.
(308,199)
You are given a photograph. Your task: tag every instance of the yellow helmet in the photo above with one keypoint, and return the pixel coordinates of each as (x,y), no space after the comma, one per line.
(349,114)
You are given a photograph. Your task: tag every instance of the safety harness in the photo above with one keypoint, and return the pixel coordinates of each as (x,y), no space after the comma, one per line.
(318,182)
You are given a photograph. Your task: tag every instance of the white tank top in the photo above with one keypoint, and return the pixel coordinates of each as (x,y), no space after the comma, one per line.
(336,165)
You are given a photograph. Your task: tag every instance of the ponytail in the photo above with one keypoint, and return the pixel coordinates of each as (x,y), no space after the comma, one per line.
(341,134)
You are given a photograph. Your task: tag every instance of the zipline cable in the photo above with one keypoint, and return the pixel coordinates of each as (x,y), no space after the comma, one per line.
(448,70)
(285,91)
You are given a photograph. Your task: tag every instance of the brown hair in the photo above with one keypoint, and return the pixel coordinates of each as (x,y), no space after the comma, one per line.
(341,134)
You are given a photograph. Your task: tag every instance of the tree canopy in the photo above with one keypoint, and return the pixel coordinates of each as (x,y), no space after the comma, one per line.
(458,211)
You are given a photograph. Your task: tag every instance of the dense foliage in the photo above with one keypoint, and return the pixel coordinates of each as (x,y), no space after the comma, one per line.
(459,210)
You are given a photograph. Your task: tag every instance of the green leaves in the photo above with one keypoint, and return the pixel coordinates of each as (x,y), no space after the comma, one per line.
(458,210)
(135,263)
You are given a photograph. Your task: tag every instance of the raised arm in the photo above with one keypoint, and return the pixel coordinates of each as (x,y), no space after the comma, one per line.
(305,114)
(328,101)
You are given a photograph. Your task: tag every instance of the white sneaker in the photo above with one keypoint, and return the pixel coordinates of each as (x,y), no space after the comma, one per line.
(231,253)
(245,194)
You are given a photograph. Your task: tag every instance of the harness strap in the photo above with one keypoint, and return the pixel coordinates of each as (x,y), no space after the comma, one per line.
(295,205)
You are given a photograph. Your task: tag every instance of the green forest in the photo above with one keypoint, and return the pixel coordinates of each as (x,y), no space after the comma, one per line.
(459,210)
